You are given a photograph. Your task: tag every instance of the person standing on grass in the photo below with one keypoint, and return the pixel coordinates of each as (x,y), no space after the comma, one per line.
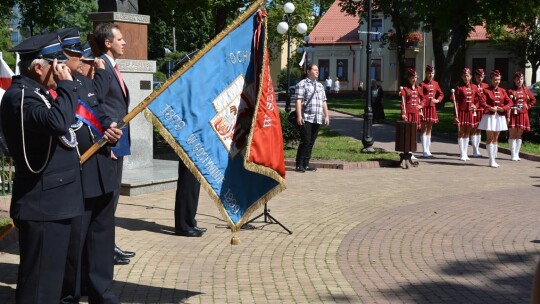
(496,105)
(328,84)
(432,95)
(522,99)
(311,112)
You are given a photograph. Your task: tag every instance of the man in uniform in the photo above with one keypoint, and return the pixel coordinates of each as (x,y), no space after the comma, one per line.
(47,189)
(96,227)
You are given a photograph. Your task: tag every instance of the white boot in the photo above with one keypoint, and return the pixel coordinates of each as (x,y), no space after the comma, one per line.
(424,146)
(492,162)
(512,147)
(518,147)
(428,145)
(412,157)
(466,148)
(462,149)
(475,145)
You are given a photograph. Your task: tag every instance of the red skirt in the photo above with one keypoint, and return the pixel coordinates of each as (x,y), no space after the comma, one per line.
(414,117)
(430,115)
(519,121)
(467,119)
(479,114)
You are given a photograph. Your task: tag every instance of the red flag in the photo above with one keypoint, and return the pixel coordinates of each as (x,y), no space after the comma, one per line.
(5,74)
(266,147)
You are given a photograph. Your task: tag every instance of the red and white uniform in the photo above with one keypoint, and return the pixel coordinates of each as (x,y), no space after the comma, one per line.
(496,97)
(522,100)
(480,111)
(467,99)
(431,92)
(413,98)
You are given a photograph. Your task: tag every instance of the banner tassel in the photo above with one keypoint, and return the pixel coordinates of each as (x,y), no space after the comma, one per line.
(235,240)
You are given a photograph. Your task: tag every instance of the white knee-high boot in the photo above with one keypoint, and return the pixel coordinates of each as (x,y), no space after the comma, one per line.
(424,146)
(465,148)
(512,147)
(518,147)
(492,162)
(428,145)
(475,139)
(463,143)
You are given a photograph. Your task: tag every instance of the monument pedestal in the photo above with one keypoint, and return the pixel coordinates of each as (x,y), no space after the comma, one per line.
(140,170)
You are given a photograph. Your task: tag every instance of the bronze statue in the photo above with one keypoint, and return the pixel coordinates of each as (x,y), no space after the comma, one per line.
(124,6)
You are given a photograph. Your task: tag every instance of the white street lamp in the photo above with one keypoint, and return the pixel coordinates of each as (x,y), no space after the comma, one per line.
(282,28)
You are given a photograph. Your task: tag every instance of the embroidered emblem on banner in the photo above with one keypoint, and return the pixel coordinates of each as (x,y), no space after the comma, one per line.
(233,119)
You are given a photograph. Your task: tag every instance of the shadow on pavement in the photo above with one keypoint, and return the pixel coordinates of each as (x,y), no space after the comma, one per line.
(495,288)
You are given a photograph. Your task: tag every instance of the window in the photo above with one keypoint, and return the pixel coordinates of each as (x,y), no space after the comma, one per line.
(324,68)
(375,71)
(376,26)
(501,64)
(478,63)
(342,69)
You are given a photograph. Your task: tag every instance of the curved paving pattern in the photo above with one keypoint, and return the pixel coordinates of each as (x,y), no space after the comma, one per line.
(477,248)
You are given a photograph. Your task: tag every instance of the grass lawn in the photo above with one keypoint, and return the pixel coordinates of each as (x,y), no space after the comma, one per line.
(332,145)
(445,127)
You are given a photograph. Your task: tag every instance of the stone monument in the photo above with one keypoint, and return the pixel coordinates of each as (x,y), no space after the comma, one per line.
(139,167)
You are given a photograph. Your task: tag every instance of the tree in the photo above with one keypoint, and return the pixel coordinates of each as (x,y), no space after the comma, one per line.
(404,18)
(49,15)
(522,40)
(303,12)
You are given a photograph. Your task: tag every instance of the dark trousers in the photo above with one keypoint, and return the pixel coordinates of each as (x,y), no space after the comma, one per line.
(93,263)
(119,169)
(308,135)
(187,199)
(43,250)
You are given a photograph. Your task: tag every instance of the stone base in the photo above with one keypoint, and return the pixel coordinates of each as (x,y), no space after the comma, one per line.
(160,175)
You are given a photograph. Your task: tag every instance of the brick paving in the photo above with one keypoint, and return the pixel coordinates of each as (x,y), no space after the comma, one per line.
(444,232)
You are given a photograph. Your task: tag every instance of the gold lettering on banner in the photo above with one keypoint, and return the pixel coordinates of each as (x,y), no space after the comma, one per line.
(204,159)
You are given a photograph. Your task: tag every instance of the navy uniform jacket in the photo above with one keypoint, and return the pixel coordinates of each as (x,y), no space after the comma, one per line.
(56,192)
(116,105)
(99,171)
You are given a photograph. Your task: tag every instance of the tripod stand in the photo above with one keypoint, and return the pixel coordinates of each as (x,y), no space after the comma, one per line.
(268,219)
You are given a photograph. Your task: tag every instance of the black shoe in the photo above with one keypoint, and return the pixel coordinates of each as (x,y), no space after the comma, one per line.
(123,254)
(300,169)
(201,229)
(309,168)
(120,261)
(189,233)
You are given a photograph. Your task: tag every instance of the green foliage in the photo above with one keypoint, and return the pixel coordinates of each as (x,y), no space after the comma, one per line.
(296,73)
(303,13)
(291,134)
(49,15)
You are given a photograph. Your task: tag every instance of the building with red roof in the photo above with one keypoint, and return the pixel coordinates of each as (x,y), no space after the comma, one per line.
(338,41)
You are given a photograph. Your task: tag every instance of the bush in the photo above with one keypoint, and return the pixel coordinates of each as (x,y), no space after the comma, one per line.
(291,134)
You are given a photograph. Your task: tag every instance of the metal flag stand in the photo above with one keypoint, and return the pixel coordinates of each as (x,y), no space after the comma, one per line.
(269,219)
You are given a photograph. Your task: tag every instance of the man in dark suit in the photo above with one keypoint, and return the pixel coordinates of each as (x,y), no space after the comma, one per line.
(94,232)
(186,203)
(115,102)
(47,189)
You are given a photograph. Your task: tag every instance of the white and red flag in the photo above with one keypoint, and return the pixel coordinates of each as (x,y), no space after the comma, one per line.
(5,74)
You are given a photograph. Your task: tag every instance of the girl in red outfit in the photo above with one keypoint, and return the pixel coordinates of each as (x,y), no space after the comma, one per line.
(467,100)
(433,94)
(496,105)
(476,134)
(410,111)
(522,99)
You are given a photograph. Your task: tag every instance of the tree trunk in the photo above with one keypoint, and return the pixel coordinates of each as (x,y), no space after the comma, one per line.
(534,67)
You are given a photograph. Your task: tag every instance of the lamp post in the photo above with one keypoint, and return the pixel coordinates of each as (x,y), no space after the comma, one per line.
(282,28)
(305,50)
(367,137)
